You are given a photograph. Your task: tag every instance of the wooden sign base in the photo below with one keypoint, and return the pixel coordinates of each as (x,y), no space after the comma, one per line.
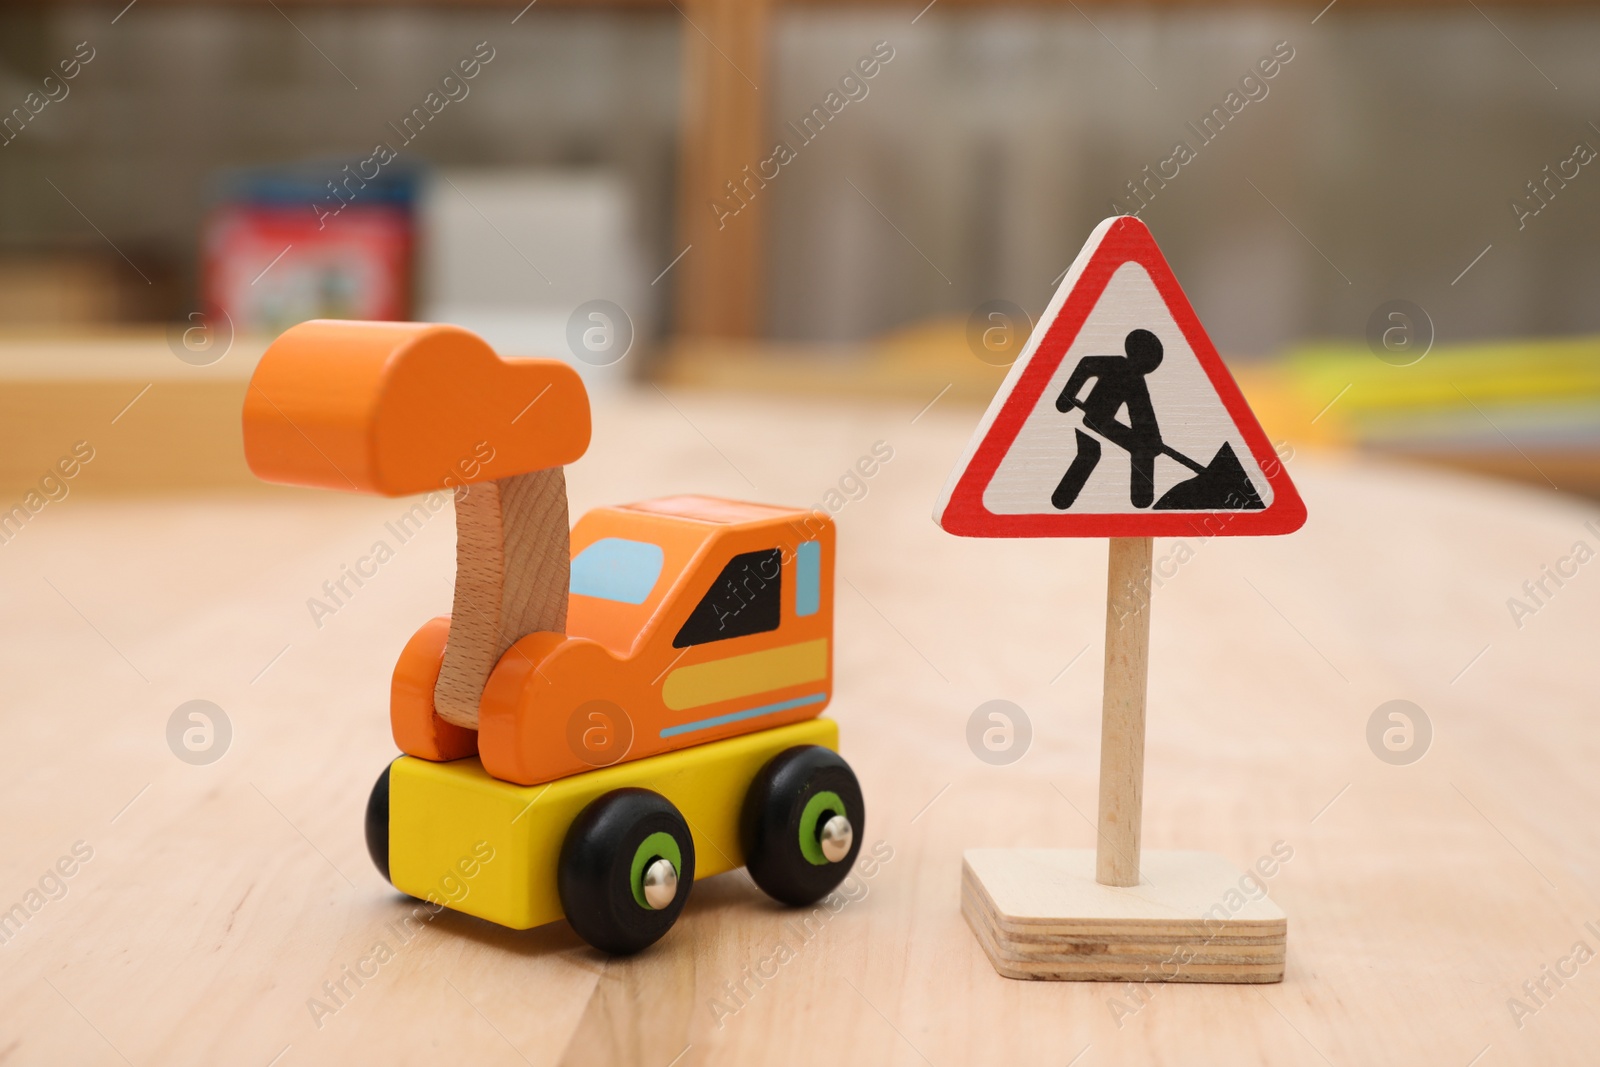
(1039,913)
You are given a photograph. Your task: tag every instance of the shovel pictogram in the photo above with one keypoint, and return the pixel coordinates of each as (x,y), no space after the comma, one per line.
(1220,485)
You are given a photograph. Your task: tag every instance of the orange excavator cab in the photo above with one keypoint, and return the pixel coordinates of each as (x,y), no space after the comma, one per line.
(695,618)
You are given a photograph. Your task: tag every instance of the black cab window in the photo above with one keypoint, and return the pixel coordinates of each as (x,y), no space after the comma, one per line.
(746,598)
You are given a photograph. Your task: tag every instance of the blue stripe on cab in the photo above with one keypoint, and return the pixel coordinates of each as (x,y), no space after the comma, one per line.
(738,716)
(808,578)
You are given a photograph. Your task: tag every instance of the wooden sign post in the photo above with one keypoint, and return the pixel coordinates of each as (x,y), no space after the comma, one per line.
(1096,433)
(1122,710)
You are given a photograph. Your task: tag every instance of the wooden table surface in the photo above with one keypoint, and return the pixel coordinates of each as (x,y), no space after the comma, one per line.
(216,900)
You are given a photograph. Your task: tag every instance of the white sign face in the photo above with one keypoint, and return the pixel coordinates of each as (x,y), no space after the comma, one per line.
(1189,418)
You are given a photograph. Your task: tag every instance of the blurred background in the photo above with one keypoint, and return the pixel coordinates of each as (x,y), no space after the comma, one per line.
(1385,215)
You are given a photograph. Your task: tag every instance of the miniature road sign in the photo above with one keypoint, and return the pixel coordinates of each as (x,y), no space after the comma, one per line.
(1120,420)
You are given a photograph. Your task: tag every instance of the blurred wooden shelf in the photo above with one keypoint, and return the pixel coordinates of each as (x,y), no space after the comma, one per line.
(154,422)
(159,424)
(924,361)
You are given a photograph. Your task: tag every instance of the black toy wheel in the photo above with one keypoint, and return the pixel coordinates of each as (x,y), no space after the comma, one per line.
(378,825)
(801,825)
(625,870)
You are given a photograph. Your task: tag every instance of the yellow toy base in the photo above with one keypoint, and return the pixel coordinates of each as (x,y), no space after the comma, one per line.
(490,848)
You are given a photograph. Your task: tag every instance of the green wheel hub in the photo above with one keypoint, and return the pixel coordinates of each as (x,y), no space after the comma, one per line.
(658,845)
(821,806)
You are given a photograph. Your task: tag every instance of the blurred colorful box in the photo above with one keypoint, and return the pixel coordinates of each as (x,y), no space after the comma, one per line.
(284,245)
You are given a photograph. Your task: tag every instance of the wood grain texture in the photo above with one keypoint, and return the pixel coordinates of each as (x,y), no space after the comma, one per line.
(512,575)
(221,898)
(1127,671)
(722,197)
(1042,913)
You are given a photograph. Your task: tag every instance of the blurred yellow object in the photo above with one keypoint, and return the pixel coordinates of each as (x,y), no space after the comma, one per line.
(1523,409)
(1536,392)
(1287,409)
(1494,372)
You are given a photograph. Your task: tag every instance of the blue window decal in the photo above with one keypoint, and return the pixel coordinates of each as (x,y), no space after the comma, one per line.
(808,578)
(614,568)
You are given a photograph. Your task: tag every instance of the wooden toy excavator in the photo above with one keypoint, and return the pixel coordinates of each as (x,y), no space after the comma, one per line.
(605,715)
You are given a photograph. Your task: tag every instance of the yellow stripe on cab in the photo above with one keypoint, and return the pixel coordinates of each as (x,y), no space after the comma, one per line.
(740,676)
